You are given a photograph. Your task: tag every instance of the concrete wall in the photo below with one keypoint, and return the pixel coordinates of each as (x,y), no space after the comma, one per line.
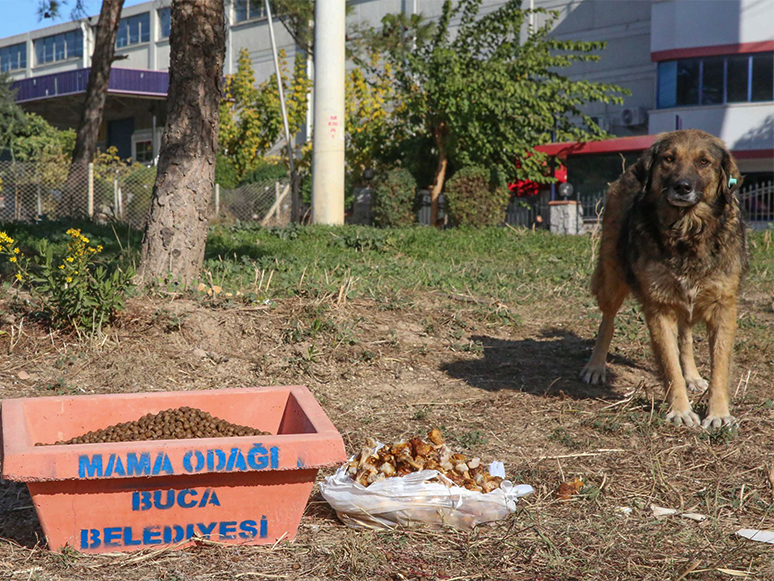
(743,126)
(716,22)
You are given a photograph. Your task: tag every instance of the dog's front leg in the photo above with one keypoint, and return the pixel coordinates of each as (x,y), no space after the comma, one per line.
(662,324)
(721,326)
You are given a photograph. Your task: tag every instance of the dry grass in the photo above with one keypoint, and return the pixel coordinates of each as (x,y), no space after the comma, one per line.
(498,376)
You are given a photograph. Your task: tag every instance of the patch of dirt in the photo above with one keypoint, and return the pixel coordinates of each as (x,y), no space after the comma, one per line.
(498,390)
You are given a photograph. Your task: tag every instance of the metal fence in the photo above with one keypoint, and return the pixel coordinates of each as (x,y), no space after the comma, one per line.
(115,192)
(757,201)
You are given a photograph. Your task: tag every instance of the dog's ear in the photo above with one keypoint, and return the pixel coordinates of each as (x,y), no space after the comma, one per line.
(644,165)
(731,179)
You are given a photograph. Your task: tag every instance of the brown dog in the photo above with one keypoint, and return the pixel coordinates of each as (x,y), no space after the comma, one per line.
(673,235)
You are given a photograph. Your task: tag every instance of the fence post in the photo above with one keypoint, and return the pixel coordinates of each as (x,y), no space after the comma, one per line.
(40,205)
(90,194)
(217,200)
(276,199)
(115,197)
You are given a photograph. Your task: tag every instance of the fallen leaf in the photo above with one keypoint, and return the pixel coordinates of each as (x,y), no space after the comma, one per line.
(569,488)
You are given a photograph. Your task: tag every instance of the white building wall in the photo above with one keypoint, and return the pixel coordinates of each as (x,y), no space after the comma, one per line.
(712,23)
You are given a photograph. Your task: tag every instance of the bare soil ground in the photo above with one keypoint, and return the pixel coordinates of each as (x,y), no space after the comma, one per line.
(499,379)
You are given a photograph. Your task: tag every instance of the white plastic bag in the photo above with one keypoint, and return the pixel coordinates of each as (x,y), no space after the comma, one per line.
(426,497)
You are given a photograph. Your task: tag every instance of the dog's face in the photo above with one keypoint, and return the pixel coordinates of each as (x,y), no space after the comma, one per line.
(687,168)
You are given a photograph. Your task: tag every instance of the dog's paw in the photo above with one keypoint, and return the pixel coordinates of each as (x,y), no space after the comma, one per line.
(714,422)
(696,384)
(683,418)
(593,374)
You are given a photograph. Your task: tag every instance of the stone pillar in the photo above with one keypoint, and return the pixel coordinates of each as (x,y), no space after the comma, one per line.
(566,217)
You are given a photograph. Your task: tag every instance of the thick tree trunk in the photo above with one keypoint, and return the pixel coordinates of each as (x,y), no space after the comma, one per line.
(94,104)
(173,246)
(439,134)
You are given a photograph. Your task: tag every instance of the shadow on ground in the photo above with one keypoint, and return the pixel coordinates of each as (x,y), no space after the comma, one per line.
(547,365)
(18,520)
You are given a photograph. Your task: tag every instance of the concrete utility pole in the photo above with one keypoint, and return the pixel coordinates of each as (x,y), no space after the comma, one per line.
(328,139)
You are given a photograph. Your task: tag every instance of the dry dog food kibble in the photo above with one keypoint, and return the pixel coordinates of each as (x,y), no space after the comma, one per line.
(173,424)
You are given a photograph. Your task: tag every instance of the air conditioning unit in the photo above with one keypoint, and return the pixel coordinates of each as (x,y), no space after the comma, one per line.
(631,117)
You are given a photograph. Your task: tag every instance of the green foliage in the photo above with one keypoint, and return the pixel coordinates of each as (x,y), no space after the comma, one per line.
(11,116)
(38,141)
(265,172)
(473,200)
(251,117)
(71,289)
(137,186)
(483,96)
(393,198)
(225,172)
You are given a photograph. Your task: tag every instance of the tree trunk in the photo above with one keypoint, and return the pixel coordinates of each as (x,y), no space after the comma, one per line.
(99,76)
(173,245)
(439,134)
(94,105)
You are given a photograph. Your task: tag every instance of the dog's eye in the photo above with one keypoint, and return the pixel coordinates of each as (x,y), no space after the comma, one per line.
(704,162)
(669,158)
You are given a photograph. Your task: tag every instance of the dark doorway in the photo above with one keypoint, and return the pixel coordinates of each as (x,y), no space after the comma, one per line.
(120,136)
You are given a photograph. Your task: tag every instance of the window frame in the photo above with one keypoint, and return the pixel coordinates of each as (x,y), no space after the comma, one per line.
(249,17)
(16,57)
(661,76)
(168,11)
(47,46)
(125,26)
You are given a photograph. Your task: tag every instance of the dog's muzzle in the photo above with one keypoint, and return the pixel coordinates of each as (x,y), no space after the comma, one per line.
(682,193)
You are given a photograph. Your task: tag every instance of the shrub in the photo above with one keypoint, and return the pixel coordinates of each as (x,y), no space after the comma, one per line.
(393,198)
(473,199)
(69,289)
(265,172)
(225,172)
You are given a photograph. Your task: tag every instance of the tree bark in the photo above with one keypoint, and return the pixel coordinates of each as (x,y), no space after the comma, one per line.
(439,134)
(99,77)
(173,245)
(94,103)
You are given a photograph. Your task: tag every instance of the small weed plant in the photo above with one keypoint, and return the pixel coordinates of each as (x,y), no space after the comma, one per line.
(72,290)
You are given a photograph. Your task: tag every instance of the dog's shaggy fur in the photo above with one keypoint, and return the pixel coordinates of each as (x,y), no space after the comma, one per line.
(673,236)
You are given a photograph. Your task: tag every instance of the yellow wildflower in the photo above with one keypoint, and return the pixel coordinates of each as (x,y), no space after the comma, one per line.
(76,272)
(18,276)
(69,279)
(99,248)
(70,259)
(16,251)
(61,267)
(13,259)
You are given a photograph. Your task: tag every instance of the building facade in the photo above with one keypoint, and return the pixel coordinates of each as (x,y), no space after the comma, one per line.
(706,64)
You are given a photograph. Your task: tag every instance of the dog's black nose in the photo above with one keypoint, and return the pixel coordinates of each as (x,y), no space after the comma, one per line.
(683,187)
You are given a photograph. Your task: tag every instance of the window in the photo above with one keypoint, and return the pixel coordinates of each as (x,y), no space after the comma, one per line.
(58,47)
(762,87)
(712,81)
(738,76)
(688,82)
(165,19)
(133,30)
(13,57)
(249,9)
(716,80)
(143,151)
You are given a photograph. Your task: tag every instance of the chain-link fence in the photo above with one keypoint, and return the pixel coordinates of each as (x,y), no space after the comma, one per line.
(117,192)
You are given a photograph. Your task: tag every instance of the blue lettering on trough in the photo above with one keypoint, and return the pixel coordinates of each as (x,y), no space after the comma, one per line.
(194,461)
(166,534)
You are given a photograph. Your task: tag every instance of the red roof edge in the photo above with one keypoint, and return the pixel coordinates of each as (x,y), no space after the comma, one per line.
(628,145)
(615,145)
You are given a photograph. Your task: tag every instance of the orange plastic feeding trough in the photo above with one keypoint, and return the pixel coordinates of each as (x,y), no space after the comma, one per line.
(123,496)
